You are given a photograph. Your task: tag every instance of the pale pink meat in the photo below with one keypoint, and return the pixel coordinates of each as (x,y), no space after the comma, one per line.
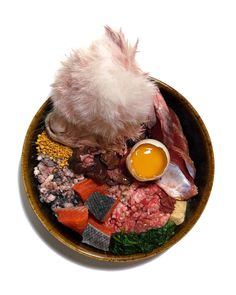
(179,139)
(164,117)
(178,181)
(189,164)
(176,184)
(180,144)
(139,210)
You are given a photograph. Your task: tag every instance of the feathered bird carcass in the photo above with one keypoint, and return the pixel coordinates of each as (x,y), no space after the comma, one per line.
(100,95)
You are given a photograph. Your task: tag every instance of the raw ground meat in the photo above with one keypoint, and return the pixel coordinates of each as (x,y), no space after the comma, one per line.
(139,209)
(55,183)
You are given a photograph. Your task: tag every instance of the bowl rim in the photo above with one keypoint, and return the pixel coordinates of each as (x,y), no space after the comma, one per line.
(108,256)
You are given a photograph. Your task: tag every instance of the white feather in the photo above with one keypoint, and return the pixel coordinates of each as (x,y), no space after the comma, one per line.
(103,89)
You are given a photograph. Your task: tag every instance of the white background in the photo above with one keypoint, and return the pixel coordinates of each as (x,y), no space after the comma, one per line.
(190,45)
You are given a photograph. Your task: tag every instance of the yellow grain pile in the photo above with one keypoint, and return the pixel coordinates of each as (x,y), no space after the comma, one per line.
(56,151)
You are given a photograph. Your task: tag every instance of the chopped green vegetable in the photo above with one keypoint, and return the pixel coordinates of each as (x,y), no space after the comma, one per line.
(130,243)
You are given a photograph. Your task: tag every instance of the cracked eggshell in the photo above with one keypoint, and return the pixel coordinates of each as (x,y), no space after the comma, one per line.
(154,143)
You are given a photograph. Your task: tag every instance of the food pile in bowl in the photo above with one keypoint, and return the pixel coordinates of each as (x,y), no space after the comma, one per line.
(113,163)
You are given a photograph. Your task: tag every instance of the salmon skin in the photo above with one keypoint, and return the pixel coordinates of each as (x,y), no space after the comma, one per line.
(99,205)
(94,236)
(75,218)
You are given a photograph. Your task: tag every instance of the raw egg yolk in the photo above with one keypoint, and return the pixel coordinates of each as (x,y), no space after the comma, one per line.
(148,161)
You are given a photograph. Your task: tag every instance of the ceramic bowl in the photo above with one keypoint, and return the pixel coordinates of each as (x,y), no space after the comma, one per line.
(200,151)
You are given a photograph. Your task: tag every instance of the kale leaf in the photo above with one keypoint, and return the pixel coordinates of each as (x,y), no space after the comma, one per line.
(130,243)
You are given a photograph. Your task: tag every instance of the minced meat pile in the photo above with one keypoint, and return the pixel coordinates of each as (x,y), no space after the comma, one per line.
(55,183)
(142,207)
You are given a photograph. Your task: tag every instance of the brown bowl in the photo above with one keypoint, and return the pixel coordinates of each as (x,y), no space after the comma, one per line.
(200,150)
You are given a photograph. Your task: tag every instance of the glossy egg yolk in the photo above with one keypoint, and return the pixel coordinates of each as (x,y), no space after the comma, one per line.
(148,161)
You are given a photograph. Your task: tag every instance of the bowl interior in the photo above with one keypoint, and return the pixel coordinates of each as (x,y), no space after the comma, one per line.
(200,151)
